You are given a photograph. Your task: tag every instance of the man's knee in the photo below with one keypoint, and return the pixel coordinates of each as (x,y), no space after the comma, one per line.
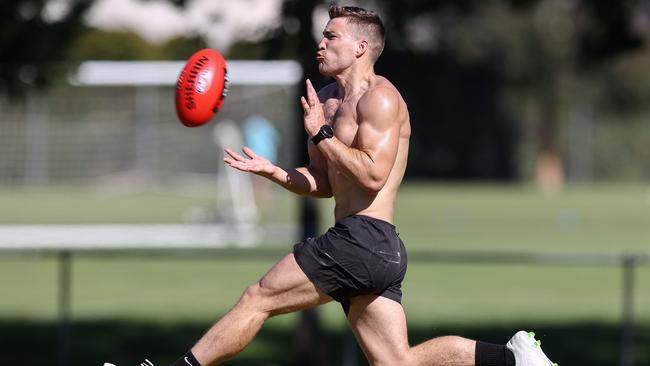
(252,298)
(258,297)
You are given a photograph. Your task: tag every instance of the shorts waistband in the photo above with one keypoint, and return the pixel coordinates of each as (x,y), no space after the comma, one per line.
(369,218)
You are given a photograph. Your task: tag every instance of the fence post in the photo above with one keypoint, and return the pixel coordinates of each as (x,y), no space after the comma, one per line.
(309,342)
(63,335)
(349,351)
(627,332)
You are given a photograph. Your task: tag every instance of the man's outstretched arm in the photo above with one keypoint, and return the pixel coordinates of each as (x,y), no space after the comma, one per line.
(310,180)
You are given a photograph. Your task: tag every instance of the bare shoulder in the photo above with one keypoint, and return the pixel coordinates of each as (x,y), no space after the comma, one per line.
(381,97)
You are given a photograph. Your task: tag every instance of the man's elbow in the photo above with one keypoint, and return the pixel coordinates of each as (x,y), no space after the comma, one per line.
(373,186)
(373,180)
(321,191)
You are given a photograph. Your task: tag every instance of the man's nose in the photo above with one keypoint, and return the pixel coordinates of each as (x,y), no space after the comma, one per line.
(321,44)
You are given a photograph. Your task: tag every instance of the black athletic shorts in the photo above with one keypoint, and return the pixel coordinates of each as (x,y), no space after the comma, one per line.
(360,255)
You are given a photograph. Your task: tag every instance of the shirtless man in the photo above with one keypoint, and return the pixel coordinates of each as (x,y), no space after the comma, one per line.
(359,133)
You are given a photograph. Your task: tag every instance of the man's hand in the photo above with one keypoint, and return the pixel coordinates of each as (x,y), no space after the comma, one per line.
(313,111)
(252,163)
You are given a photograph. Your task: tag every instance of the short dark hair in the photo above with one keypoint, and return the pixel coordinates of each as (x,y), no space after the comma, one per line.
(366,23)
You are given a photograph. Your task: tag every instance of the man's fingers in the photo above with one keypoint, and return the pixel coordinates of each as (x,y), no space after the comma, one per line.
(312,97)
(305,105)
(230,161)
(310,88)
(233,154)
(239,162)
(236,164)
(229,152)
(250,153)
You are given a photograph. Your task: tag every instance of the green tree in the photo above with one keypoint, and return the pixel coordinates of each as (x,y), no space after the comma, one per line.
(32,43)
(38,45)
(94,44)
(544,51)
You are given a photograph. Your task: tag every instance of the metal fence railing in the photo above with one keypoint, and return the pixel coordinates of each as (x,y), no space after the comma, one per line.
(627,262)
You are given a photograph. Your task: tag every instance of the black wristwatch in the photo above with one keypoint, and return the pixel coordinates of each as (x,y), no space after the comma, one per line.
(325,132)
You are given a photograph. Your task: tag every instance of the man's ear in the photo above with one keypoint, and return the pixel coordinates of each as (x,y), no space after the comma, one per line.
(362,48)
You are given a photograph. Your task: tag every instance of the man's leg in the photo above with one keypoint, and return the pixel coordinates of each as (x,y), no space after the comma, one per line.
(284,289)
(380,327)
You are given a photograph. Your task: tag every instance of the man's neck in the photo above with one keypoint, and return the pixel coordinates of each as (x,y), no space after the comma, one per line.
(353,81)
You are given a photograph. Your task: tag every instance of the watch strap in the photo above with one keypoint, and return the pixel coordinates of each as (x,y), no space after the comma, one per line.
(325,132)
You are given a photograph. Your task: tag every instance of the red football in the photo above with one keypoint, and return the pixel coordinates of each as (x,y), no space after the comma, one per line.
(201,87)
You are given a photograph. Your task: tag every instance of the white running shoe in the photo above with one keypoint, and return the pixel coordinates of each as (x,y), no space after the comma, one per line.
(528,350)
(143,363)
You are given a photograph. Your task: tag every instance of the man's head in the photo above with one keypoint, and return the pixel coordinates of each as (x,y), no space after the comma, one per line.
(351,33)
(364,24)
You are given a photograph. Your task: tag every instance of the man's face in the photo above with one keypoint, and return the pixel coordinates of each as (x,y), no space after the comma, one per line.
(336,50)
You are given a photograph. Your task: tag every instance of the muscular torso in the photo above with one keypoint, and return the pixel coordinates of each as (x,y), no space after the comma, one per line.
(350,198)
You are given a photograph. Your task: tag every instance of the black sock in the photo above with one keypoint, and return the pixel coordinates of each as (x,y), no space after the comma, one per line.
(488,354)
(187,359)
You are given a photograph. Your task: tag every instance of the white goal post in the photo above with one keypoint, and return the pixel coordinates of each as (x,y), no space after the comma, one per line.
(234,187)
(165,73)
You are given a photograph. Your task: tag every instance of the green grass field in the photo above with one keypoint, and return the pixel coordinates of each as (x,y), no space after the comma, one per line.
(127,299)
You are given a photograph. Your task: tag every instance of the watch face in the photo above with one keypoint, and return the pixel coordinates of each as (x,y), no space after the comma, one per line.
(327,131)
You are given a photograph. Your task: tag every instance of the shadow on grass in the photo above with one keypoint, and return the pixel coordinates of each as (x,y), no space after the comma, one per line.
(126,343)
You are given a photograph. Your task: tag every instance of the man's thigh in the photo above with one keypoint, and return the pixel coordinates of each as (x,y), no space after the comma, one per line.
(379,325)
(285,288)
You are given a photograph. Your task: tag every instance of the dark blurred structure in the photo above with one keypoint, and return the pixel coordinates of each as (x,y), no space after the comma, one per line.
(458,130)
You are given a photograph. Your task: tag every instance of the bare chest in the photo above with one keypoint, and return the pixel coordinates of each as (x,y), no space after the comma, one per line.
(342,116)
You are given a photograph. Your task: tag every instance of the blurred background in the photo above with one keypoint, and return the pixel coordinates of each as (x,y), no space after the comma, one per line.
(526,203)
